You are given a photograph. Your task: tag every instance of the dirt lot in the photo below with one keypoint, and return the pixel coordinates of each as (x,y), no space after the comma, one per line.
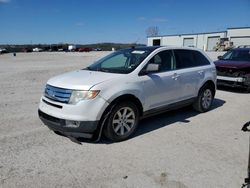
(176,149)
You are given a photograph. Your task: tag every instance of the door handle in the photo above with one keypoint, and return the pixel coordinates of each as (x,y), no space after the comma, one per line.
(201,72)
(213,70)
(175,76)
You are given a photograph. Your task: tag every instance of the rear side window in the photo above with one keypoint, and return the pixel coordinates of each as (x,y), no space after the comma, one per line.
(200,59)
(189,58)
(184,59)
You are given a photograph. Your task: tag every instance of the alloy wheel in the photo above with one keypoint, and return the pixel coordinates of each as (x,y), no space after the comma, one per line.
(207,98)
(123,121)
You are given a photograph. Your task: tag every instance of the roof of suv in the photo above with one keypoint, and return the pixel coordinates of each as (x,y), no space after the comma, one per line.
(242,49)
(152,48)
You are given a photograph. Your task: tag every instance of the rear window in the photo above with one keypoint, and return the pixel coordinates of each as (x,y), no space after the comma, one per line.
(200,59)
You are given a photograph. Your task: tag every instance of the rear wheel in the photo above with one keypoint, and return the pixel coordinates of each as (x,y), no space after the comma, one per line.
(205,99)
(122,121)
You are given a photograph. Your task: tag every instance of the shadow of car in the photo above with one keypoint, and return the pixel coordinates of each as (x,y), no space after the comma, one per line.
(159,121)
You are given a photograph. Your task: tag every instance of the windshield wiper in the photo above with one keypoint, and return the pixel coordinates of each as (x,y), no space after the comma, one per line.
(87,68)
(97,69)
(103,70)
(90,69)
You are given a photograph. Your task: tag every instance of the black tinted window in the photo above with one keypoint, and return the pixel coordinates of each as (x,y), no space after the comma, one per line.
(184,59)
(164,59)
(200,59)
(189,58)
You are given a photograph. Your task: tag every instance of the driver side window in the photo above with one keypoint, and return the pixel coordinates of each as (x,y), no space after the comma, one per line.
(165,60)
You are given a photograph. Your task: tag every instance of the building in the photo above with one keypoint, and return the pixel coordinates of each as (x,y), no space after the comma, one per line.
(206,41)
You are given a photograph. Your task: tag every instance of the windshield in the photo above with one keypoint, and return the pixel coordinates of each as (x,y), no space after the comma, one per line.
(237,55)
(122,61)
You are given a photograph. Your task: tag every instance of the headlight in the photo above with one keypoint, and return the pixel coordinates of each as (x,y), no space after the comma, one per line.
(77,96)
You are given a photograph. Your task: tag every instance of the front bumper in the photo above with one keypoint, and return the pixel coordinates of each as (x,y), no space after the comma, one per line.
(86,110)
(78,121)
(85,129)
(233,81)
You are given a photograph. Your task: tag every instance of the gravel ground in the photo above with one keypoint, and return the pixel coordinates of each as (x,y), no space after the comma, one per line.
(176,149)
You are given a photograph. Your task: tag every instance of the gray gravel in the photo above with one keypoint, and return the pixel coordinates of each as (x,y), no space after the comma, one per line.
(176,149)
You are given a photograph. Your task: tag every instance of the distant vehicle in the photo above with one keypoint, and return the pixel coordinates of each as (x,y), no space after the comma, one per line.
(37,49)
(27,50)
(71,48)
(84,49)
(114,93)
(233,68)
(97,49)
(3,51)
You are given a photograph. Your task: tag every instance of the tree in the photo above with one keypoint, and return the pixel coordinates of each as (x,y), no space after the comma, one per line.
(152,31)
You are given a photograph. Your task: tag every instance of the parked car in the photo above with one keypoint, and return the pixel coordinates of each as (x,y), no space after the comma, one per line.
(37,49)
(84,49)
(114,93)
(97,49)
(3,51)
(233,68)
(27,50)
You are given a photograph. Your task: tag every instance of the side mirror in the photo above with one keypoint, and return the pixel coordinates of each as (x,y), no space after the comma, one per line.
(220,57)
(152,67)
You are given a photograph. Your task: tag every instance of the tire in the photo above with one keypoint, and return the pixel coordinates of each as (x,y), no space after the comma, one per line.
(248,89)
(204,99)
(122,122)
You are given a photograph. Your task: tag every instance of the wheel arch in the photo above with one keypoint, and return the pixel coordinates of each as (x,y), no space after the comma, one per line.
(211,84)
(126,97)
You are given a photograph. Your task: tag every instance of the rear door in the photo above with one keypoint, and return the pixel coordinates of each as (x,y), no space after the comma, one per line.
(191,68)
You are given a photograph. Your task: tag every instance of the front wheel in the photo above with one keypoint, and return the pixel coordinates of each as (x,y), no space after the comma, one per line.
(204,100)
(122,121)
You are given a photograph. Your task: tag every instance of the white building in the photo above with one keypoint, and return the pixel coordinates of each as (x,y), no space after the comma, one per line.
(206,41)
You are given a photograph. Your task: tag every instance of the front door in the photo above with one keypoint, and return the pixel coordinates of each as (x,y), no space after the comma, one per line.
(163,87)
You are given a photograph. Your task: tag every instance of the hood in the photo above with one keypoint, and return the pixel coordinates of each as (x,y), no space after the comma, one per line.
(232,64)
(81,79)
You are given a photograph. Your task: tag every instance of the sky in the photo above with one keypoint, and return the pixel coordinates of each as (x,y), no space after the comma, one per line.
(119,21)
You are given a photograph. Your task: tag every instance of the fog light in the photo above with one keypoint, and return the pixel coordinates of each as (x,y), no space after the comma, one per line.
(72,124)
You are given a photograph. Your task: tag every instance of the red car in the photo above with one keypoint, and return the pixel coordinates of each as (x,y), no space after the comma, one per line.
(233,68)
(84,49)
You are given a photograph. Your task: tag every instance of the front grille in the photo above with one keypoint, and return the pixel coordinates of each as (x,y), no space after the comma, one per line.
(228,72)
(57,94)
(51,104)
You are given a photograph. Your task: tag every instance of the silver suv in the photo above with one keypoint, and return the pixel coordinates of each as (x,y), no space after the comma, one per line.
(114,93)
